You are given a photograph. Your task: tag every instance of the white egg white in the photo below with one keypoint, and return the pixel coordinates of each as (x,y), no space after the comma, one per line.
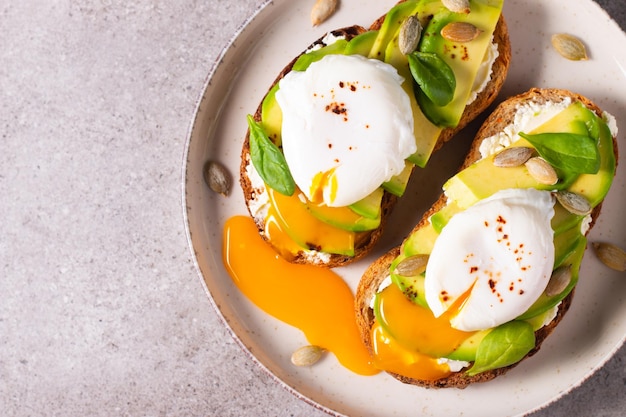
(347,127)
(496,258)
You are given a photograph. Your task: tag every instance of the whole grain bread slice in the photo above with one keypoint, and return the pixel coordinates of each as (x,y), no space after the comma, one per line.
(365,241)
(378,271)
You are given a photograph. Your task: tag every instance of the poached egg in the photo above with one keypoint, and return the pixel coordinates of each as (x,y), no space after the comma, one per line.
(347,127)
(493,260)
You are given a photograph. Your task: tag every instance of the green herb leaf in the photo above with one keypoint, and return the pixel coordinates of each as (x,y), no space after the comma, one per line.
(434,76)
(569,152)
(269,161)
(503,346)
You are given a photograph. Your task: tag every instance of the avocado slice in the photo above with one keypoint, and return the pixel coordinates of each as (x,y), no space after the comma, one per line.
(411,286)
(345,218)
(426,133)
(398,183)
(544,303)
(369,206)
(467,350)
(361,44)
(390,27)
(483,178)
(463,58)
(272,116)
(337,48)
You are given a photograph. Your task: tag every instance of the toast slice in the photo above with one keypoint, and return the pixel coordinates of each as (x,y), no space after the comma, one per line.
(364,241)
(373,278)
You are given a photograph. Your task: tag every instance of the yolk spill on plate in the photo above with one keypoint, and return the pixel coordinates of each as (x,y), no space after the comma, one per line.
(315,300)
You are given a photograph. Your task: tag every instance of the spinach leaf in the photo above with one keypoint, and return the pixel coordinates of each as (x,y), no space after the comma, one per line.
(571,152)
(434,76)
(503,346)
(269,161)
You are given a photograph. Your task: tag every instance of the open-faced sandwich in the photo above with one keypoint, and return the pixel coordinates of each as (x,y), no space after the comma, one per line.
(491,268)
(334,141)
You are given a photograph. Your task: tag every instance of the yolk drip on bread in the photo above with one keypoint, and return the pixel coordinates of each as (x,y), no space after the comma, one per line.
(312,299)
(408,349)
(288,219)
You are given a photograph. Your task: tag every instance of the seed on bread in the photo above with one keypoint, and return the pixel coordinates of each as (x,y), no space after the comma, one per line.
(460,32)
(457,6)
(574,203)
(513,157)
(560,279)
(410,33)
(542,171)
(412,266)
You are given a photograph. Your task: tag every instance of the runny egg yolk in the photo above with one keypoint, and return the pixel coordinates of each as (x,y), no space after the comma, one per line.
(324,182)
(408,339)
(312,299)
(289,222)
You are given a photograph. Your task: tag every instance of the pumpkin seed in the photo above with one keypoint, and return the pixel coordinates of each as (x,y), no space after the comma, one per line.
(217,177)
(574,203)
(412,266)
(611,255)
(460,32)
(410,33)
(513,157)
(569,47)
(307,355)
(560,279)
(541,170)
(457,6)
(322,10)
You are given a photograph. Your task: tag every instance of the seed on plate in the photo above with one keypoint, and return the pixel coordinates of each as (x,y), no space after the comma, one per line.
(217,177)
(322,10)
(307,355)
(542,171)
(457,6)
(611,255)
(410,33)
(513,157)
(560,279)
(460,32)
(574,203)
(569,47)
(412,266)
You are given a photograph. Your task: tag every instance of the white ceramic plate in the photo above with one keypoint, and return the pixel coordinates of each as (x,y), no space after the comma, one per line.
(591,332)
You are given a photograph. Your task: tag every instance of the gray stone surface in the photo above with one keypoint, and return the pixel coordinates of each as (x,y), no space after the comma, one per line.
(101,311)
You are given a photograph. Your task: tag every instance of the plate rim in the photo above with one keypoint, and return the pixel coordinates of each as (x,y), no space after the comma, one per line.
(185,209)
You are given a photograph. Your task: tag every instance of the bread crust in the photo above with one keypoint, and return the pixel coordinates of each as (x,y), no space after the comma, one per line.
(379,269)
(365,241)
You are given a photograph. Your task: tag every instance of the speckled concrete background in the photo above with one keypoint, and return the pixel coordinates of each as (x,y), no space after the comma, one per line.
(101,311)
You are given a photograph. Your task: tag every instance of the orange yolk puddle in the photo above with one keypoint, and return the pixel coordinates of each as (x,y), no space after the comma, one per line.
(408,339)
(290,215)
(312,299)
